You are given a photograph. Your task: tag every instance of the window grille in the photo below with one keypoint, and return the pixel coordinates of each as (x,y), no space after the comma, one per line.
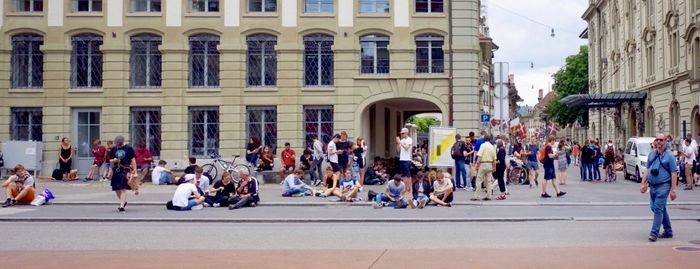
(204,131)
(430,58)
(318,60)
(86,61)
(26,124)
(374,54)
(262,124)
(262,60)
(318,121)
(27,61)
(145,128)
(204,61)
(145,61)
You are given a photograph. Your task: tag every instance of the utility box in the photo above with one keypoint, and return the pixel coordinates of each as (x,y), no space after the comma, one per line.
(27,153)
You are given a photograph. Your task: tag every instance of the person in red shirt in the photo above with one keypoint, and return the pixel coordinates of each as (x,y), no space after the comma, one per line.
(143,160)
(99,152)
(288,160)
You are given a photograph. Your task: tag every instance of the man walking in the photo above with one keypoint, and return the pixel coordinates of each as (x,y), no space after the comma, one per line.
(405,146)
(689,160)
(660,179)
(459,150)
(485,168)
(532,164)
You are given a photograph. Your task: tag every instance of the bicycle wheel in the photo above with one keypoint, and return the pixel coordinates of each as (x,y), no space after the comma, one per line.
(517,176)
(210,171)
(236,176)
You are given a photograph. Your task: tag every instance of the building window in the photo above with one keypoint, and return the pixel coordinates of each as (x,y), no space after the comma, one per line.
(262,6)
(27,61)
(374,54)
(318,6)
(318,122)
(145,128)
(429,6)
(430,58)
(374,6)
(674,49)
(204,131)
(204,61)
(650,61)
(29,5)
(25,124)
(145,61)
(651,14)
(86,61)
(87,5)
(632,69)
(145,5)
(262,60)
(696,58)
(318,60)
(262,124)
(204,6)
(695,5)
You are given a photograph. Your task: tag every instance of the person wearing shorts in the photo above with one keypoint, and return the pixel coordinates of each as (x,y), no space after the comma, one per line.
(124,161)
(333,156)
(19,188)
(532,162)
(404,144)
(187,196)
(549,170)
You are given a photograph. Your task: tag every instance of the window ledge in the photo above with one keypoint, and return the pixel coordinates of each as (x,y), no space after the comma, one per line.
(145,90)
(217,89)
(373,76)
(259,14)
(374,15)
(86,90)
(84,14)
(317,15)
(24,14)
(203,14)
(429,15)
(144,14)
(431,75)
(26,90)
(318,89)
(261,89)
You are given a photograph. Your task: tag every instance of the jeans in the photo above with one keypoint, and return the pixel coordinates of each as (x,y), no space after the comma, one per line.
(468,168)
(252,158)
(586,168)
(222,200)
(461,174)
(165,178)
(315,171)
(238,202)
(596,168)
(298,190)
(422,197)
(190,203)
(384,198)
(658,197)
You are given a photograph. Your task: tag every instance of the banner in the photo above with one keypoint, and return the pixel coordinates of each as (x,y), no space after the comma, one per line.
(440,144)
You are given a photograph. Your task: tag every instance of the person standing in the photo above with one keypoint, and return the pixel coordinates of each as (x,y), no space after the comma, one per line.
(468,160)
(485,167)
(333,153)
(575,153)
(404,145)
(65,157)
(252,151)
(587,161)
(107,174)
(562,162)
(359,152)
(318,160)
(343,146)
(459,150)
(549,171)
(532,163)
(689,159)
(501,169)
(99,153)
(124,160)
(595,164)
(660,179)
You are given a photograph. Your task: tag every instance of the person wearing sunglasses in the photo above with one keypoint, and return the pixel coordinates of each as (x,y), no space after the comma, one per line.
(660,179)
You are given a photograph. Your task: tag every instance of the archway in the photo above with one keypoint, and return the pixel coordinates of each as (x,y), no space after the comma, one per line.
(696,123)
(381,121)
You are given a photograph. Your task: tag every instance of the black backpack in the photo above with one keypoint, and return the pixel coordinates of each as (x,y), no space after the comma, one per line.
(457,148)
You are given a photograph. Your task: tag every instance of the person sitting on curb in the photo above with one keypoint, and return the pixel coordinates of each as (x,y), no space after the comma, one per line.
(347,187)
(161,174)
(330,183)
(19,187)
(247,192)
(187,196)
(442,191)
(223,190)
(421,191)
(394,195)
(293,186)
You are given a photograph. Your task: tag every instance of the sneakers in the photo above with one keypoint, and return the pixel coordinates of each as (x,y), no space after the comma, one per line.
(653,237)
(216,205)
(412,203)
(317,182)
(545,195)
(422,203)
(9,203)
(197,207)
(666,235)
(121,210)
(376,205)
(299,194)
(561,193)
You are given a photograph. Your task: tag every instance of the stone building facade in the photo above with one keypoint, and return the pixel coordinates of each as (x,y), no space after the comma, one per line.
(200,77)
(645,46)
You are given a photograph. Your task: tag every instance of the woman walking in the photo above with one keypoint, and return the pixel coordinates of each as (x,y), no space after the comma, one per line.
(65,157)
(501,169)
(99,153)
(124,160)
(562,163)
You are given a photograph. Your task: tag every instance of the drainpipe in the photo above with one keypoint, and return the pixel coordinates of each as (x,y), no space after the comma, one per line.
(450,78)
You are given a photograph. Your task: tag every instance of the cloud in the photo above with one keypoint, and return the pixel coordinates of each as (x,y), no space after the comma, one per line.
(523,41)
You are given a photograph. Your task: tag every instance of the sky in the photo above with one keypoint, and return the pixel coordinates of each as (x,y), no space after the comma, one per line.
(522,31)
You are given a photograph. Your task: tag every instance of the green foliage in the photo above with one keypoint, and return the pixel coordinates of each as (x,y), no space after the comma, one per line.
(423,123)
(570,79)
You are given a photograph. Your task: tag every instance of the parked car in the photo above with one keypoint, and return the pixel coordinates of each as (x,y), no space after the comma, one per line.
(636,153)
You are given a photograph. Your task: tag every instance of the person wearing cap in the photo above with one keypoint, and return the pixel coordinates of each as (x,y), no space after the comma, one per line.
(247,192)
(124,160)
(333,156)
(404,145)
(187,197)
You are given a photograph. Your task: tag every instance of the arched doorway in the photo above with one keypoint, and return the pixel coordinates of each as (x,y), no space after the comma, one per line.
(696,123)
(632,124)
(381,121)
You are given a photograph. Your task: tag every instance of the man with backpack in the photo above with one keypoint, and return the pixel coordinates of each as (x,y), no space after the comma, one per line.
(459,150)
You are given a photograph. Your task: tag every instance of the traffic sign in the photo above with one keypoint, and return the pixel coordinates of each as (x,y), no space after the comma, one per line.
(485,117)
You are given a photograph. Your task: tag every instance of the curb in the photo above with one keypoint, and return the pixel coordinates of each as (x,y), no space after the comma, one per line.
(293,204)
(281,220)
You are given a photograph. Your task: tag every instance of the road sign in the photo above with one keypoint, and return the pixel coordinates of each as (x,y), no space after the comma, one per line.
(485,117)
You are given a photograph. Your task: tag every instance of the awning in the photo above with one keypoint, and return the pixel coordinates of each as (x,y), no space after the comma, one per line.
(613,99)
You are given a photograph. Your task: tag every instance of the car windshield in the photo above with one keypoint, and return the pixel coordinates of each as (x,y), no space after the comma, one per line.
(644,149)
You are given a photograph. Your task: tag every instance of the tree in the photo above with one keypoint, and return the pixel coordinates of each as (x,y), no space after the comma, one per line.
(570,79)
(423,123)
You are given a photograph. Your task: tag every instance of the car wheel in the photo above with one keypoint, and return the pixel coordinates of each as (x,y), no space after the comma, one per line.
(639,177)
(624,170)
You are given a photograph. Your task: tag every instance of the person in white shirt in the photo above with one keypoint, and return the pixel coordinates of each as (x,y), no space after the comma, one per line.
(162,175)
(19,188)
(689,157)
(200,180)
(181,199)
(404,144)
(293,186)
(333,156)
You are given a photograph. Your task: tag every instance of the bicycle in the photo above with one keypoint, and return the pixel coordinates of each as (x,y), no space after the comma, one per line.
(211,170)
(610,173)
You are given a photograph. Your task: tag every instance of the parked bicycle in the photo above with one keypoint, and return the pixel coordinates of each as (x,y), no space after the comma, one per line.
(211,170)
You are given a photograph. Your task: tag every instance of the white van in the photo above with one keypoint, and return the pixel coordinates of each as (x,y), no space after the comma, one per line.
(636,152)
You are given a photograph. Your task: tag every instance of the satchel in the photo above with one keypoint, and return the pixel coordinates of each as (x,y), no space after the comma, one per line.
(371,195)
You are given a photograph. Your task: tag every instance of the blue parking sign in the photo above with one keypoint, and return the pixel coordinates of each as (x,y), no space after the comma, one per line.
(485,117)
